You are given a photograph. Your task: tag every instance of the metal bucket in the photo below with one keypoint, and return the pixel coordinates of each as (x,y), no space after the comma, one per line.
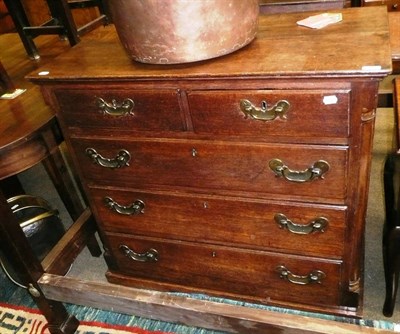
(39,221)
(41,225)
(181,31)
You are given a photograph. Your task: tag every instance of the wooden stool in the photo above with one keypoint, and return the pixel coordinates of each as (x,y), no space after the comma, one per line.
(29,134)
(391,231)
(60,23)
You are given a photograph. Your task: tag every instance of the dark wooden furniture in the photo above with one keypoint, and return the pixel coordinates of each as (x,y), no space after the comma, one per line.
(386,88)
(6,84)
(30,135)
(392,5)
(6,23)
(391,231)
(245,176)
(61,21)
(289,6)
(394,27)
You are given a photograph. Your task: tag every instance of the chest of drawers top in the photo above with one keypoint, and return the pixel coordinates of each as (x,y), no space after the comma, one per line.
(281,49)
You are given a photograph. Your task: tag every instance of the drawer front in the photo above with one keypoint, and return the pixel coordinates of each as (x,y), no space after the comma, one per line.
(123,110)
(287,227)
(260,114)
(219,167)
(230,270)
(392,5)
(279,7)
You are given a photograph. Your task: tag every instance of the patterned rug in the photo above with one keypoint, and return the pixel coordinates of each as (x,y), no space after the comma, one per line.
(23,320)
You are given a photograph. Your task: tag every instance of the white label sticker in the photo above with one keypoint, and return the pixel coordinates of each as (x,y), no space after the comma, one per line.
(44,73)
(371,68)
(330,99)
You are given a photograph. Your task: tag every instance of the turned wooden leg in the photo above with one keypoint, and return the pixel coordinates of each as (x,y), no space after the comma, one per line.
(57,169)
(29,270)
(60,10)
(391,235)
(17,13)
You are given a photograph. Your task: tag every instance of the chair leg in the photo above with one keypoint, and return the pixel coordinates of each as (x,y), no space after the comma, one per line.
(104,10)
(58,172)
(391,235)
(93,246)
(60,10)
(17,13)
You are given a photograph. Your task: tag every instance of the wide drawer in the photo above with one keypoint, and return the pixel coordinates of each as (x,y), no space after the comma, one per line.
(288,227)
(270,276)
(121,109)
(316,173)
(268,113)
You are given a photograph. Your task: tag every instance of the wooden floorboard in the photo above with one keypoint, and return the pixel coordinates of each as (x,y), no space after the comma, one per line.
(192,312)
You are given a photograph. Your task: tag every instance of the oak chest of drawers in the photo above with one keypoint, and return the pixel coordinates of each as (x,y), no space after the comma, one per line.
(244,176)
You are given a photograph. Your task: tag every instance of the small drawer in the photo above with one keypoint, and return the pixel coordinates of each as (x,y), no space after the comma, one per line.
(121,109)
(310,173)
(392,5)
(287,227)
(247,273)
(269,113)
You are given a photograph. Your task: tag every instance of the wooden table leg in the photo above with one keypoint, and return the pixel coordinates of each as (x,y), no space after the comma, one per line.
(60,9)
(17,12)
(21,256)
(58,172)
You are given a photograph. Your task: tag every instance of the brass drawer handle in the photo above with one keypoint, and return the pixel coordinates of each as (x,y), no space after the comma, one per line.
(150,256)
(135,208)
(317,170)
(121,160)
(264,113)
(114,108)
(318,224)
(315,276)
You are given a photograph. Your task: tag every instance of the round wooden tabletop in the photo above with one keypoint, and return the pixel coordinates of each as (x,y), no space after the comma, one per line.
(28,128)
